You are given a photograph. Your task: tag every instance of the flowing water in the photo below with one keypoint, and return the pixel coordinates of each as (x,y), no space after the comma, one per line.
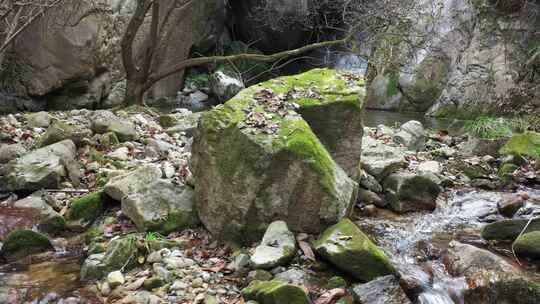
(409,238)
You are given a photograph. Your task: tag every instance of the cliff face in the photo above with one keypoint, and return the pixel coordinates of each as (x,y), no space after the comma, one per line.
(459,58)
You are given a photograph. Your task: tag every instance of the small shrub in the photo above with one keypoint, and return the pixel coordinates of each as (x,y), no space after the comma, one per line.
(489,127)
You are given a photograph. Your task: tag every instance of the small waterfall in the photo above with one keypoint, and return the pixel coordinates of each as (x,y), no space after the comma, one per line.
(351,63)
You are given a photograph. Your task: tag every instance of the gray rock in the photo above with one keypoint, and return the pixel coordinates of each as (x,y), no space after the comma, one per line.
(296,276)
(132,182)
(105,121)
(115,278)
(277,248)
(259,275)
(381,160)
(411,135)
(121,253)
(368,197)
(410,192)
(42,168)
(38,120)
(161,272)
(121,153)
(383,290)
(46,218)
(161,206)
(369,182)
(59,131)
(225,86)
(10,152)
(383,130)
(467,260)
(509,229)
(187,124)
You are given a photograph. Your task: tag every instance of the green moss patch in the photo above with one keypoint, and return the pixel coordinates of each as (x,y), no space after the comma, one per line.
(525,144)
(275,292)
(86,208)
(21,243)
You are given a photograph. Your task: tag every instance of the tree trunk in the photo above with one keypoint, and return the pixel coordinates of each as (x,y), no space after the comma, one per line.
(134,92)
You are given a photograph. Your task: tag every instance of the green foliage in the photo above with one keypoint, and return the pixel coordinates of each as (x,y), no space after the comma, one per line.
(154,236)
(489,127)
(196,80)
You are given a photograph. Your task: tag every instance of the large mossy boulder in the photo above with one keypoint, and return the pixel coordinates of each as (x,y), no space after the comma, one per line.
(525,144)
(275,292)
(42,168)
(349,249)
(280,150)
(21,243)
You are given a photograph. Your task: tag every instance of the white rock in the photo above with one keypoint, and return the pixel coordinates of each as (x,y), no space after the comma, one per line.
(115,278)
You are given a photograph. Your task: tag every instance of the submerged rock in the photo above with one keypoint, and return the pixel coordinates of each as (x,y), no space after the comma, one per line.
(383,290)
(275,292)
(21,243)
(42,168)
(256,160)
(277,248)
(348,248)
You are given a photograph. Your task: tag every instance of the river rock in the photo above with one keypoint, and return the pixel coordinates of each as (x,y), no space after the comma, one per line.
(411,135)
(369,182)
(528,245)
(38,120)
(115,278)
(381,160)
(277,248)
(490,278)
(410,192)
(105,121)
(349,249)
(11,152)
(151,203)
(508,229)
(86,208)
(132,182)
(275,292)
(296,276)
(383,290)
(59,131)
(225,86)
(511,203)
(368,197)
(42,168)
(254,167)
(21,243)
(121,253)
(47,219)
(526,144)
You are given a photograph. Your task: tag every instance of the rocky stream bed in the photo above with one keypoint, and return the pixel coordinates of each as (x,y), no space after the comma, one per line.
(139,206)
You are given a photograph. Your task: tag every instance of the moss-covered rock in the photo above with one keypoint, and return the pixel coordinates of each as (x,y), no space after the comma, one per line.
(257,160)
(528,245)
(21,243)
(410,192)
(161,206)
(506,171)
(86,208)
(108,140)
(348,248)
(508,229)
(275,292)
(525,144)
(121,253)
(59,131)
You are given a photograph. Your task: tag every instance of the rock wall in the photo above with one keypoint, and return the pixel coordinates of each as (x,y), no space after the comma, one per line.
(458,58)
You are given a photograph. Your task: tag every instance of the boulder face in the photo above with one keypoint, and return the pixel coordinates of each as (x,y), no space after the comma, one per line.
(349,249)
(256,159)
(42,168)
(384,290)
(469,63)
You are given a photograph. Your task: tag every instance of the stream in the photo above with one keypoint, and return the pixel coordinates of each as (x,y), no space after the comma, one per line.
(410,239)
